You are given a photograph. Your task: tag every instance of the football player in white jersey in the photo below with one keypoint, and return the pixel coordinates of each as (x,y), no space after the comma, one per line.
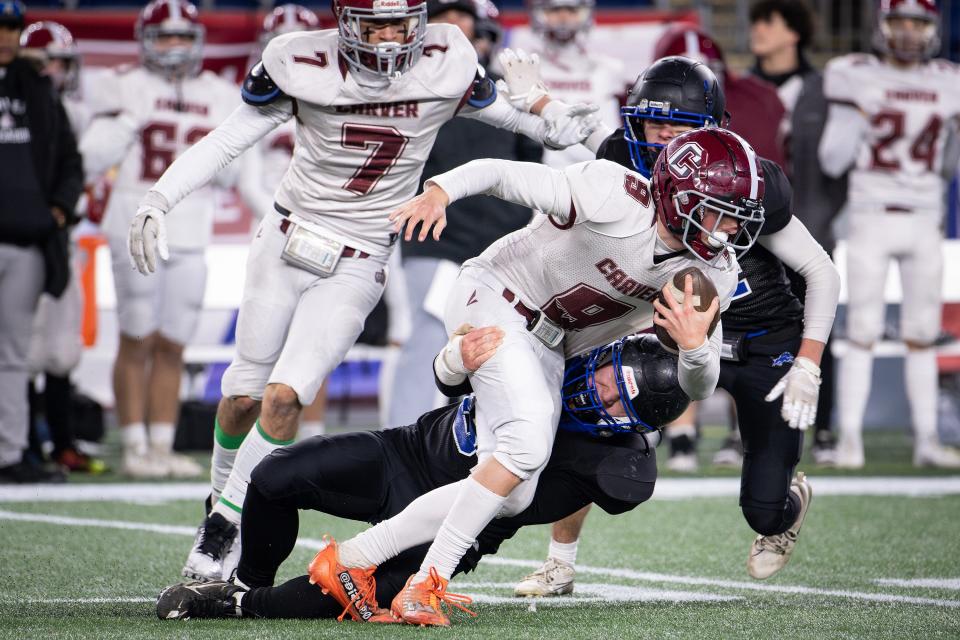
(589,268)
(368,99)
(889,119)
(572,72)
(159,109)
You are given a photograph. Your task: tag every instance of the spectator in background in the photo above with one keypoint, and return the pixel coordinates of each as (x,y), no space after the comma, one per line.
(472,224)
(37,201)
(572,72)
(755,113)
(55,348)
(780,32)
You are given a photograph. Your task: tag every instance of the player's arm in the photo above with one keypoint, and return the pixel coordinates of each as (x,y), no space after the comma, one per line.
(797,249)
(847,126)
(266,107)
(532,185)
(258,198)
(466,351)
(106,141)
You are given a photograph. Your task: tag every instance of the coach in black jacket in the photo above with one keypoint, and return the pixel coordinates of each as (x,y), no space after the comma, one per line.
(41,177)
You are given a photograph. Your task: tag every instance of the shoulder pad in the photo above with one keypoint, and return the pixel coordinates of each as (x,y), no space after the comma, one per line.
(484,91)
(258,88)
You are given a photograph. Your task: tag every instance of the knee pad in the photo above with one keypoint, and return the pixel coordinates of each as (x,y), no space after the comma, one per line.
(524,458)
(519,499)
(245,378)
(764,520)
(273,475)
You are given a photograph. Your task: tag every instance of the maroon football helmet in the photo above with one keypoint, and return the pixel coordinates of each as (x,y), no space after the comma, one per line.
(287,18)
(709,173)
(43,42)
(691,42)
(909,43)
(388,60)
(163,18)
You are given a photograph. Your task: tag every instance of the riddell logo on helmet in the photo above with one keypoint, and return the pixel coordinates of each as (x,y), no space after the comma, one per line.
(685,160)
(383,5)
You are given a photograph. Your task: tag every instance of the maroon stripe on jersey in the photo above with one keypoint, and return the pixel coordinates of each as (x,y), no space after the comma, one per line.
(319,61)
(569,223)
(430,48)
(844,103)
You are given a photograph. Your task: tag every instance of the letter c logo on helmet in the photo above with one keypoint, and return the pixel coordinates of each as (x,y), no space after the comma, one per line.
(685,160)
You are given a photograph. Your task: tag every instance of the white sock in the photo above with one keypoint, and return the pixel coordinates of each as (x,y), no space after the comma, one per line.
(310,428)
(417,524)
(856,371)
(677,430)
(920,371)
(134,439)
(473,510)
(563,551)
(161,437)
(256,446)
(225,449)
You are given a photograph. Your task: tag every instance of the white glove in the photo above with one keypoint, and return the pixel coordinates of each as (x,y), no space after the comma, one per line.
(147,238)
(800,389)
(521,76)
(568,125)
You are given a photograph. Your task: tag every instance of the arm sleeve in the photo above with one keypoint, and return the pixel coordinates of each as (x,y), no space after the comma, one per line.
(797,249)
(846,129)
(451,386)
(256,195)
(596,139)
(532,185)
(197,166)
(501,114)
(105,143)
(699,369)
(68,181)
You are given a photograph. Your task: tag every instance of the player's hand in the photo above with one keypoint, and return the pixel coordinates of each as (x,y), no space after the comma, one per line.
(521,78)
(800,389)
(429,209)
(478,345)
(687,326)
(568,125)
(147,238)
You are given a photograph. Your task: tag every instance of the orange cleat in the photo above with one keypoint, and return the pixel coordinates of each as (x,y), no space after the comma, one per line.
(355,589)
(420,603)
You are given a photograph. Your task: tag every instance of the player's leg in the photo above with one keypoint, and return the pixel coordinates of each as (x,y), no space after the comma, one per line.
(555,576)
(317,340)
(138,320)
(921,273)
(412,397)
(313,421)
(518,407)
(867,262)
(183,280)
(773,501)
(682,434)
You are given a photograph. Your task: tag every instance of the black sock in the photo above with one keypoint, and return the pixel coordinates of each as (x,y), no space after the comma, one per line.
(269,532)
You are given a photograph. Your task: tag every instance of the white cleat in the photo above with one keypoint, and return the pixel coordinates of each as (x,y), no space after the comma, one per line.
(180,466)
(143,467)
(934,454)
(553,578)
(214,537)
(849,453)
(769,554)
(231,559)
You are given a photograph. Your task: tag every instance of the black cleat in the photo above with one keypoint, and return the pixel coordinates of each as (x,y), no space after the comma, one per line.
(214,538)
(200,600)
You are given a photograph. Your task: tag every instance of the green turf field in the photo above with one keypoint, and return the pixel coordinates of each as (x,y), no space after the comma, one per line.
(865,567)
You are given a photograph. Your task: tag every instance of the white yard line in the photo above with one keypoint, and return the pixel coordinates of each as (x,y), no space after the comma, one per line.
(630,574)
(667,489)
(922,583)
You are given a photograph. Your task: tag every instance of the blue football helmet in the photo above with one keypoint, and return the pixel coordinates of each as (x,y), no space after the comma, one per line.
(646,377)
(677,90)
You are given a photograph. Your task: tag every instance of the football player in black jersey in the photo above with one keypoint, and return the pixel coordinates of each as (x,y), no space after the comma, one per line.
(772,342)
(622,392)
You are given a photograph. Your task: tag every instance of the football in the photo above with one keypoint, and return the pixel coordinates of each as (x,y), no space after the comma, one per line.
(703,294)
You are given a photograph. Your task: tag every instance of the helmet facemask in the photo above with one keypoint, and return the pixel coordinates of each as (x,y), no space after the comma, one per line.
(388,59)
(177,61)
(908,44)
(707,242)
